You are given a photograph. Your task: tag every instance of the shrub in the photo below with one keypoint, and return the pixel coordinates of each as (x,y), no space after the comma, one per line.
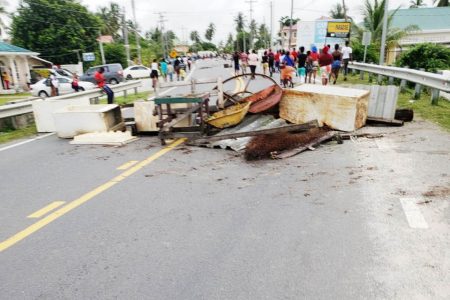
(429,56)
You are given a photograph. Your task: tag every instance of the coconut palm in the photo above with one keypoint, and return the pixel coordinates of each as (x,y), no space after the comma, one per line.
(416,3)
(240,22)
(195,36)
(337,11)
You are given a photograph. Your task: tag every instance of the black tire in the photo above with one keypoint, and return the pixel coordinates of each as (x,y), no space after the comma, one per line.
(43,94)
(113,81)
(129,77)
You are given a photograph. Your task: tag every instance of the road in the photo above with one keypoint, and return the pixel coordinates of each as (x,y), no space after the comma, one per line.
(368,219)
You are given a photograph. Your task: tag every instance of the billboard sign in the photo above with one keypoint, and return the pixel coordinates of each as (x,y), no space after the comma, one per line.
(338,30)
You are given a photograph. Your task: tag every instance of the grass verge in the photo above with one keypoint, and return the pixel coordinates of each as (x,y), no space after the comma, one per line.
(6,98)
(9,135)
(438,114)
(121,100)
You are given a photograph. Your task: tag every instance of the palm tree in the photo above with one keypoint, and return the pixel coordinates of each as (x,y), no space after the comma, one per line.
(416,3)
(441,3)
(337,11)
(195,36)
(210,31)
(240,22)
(111,19)
(373,21)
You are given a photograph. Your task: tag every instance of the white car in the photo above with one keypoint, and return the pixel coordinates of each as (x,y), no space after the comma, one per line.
(41,89)
(136,72)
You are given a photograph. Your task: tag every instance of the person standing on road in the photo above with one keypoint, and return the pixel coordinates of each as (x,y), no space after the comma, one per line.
(325,61)
(277,57)
(271,62)
(265,62)
(253,62)
(154,73)
(236,62)
(347,55)
(170,71)
(336,65)
(301,61)
(176,66)
(101,83)
(309,68)
(244,61)
(163,66)
(54,84)
(314,56)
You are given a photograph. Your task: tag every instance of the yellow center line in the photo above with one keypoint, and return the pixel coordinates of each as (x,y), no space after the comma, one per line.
(46,209)
(83,199)
(127,165)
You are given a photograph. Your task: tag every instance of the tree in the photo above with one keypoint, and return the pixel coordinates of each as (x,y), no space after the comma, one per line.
(195,37)
(115,53)
(441,3)
(286,21)
(55,28)
(263,40)
(240,22)
(229,46)
(437,57)
(210,32)
(337,11)
(111,18)
(416,3)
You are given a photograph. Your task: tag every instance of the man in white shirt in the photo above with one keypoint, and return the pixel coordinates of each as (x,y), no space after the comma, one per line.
(346,57)
(253,62)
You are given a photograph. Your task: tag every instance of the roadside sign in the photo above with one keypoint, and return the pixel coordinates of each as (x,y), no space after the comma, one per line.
(173,54)
(367,36)
(339,29)
(89,56)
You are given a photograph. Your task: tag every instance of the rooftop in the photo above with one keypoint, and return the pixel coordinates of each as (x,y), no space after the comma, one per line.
(426,18)
(5,47)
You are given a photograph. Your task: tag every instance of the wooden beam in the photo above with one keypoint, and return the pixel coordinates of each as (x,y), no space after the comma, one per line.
(288,128)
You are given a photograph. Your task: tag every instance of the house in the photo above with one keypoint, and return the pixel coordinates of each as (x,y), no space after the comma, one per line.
(433,24)
(284,37)
(14,61)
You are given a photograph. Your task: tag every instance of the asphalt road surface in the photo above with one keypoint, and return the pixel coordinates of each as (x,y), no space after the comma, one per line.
(368,219)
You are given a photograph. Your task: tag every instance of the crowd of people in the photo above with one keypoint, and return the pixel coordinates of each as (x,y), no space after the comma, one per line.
(325,62)
(170,69)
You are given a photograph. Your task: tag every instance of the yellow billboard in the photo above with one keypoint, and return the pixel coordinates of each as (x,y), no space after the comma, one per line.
(339,29)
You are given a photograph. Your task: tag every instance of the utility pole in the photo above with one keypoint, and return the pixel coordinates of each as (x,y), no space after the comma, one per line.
(345,10)
(162,20)
(290,25)
(138,44)
(251,19)
(384,32)
(271,24)
(102,53)
(125,36)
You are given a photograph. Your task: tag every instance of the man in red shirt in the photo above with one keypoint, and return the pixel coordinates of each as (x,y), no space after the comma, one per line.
(101,83)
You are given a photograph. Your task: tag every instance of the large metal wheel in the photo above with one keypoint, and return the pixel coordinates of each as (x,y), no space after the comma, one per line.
(240,86)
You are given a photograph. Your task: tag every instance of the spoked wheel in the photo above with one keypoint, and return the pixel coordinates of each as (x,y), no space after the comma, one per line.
(238,87)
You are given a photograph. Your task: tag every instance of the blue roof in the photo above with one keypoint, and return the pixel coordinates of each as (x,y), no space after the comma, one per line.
(5,47)
(426,18)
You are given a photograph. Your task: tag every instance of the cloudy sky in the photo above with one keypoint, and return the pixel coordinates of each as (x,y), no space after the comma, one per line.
(183,16)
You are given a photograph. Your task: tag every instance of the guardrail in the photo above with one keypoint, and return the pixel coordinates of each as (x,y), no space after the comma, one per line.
(11,110)
(421,78)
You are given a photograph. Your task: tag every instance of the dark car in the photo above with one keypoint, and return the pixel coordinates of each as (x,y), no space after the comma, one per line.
(113,73)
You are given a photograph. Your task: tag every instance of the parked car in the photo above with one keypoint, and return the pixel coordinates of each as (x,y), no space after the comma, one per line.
(42,87)
(136,72)
(113,73)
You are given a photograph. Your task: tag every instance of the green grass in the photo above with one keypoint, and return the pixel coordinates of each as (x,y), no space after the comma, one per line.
(18,96)
(438,114)
(131,97)
(9,135)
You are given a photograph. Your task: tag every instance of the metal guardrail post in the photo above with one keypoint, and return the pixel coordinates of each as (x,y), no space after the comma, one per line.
(417,91)
(125,93)
(380,79)
(434,96)
(391,81)
(403,85)
(135,90)
(361,75)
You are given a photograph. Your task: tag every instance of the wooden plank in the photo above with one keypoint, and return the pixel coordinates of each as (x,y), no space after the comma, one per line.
(180,118)
(176,100)
(292,152)
(288,128)
(385,121)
